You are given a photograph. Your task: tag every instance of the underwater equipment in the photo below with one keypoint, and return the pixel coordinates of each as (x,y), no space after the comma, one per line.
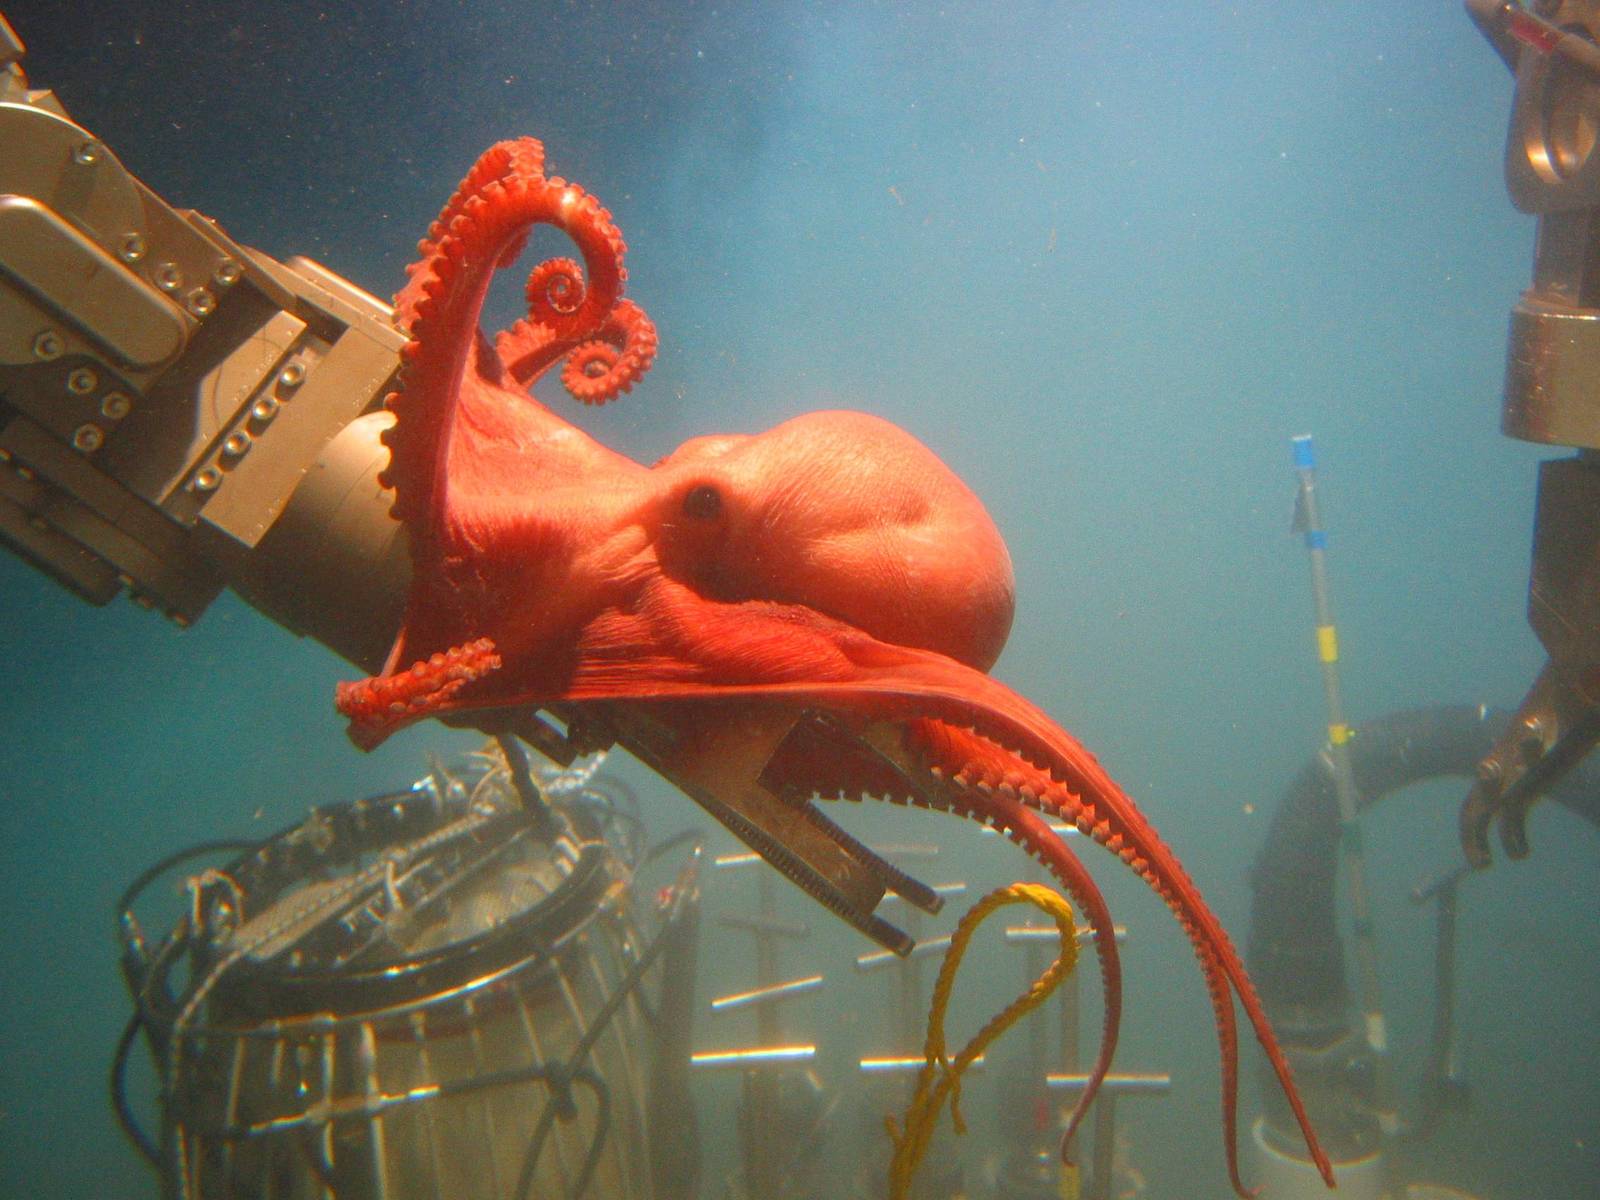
(1551,397)
(940,1077)
(192,414)
(438,993)
(1297,958)
(1308,523)
(182,412)
(1294,951)
(778,1089)
(1031,1164)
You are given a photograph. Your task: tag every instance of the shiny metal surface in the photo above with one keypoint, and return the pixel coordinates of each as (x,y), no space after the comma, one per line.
(415,997)
(1552,397)
(77,283)
(163,389)
(1552,375)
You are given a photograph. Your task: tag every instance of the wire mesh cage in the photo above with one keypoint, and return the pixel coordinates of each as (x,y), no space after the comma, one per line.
(428,994)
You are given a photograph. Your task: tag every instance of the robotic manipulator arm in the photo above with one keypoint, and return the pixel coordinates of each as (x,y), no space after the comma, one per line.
(180,413)
(1552,396)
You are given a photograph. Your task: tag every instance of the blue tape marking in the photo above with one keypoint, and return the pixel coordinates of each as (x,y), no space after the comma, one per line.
(1316,539)
(1303,458)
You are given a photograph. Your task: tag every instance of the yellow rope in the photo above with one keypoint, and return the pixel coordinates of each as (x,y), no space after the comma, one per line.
(941,1077)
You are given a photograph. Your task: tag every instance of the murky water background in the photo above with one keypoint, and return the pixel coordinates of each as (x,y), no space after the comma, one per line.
(1106,260)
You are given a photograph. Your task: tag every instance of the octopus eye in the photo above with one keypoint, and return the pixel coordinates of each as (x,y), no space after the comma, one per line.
(703,503)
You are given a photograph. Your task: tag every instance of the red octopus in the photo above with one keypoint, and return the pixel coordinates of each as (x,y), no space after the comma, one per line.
(707,603)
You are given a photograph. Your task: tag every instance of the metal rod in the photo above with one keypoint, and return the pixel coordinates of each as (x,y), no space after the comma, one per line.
(909,1021)
(891,1064)
(765,926)
(1049,933)
(1132,1081)
(926,948)
(942,890)
(1059,828)
(766,995)
(758,1088)
(1308,521)
(760,1056)
(533,801)
(1442,1086)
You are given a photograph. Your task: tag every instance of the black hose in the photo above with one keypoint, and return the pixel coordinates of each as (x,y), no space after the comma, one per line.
(1293,950)
(119,1094)
(545,825)
(151,873)
(1294,953)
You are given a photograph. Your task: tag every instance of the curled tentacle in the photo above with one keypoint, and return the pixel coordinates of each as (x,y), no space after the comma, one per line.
(555,291)
(600,365)
(483,225)
(519,156)
(617,358)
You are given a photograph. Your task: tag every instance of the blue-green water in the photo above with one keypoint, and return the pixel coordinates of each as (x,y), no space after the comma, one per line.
(1104,259)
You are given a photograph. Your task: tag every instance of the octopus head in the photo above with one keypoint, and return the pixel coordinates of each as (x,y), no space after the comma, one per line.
(845,514)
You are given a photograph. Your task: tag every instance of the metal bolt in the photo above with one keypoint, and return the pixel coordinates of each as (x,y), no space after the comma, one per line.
(292,376)
(168,277)
(82,381)
(200,303)
(208,479)
(115,406)
(1531,742)
(264,409)
(227,273)
(236,443)
(88,438)
(48,345)
(86,154)
(133,247)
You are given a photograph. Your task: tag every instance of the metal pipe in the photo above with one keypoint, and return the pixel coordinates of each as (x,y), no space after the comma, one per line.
(766,995)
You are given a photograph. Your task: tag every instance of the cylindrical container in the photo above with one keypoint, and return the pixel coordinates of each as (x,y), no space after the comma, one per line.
(414,998)
(1285,1176)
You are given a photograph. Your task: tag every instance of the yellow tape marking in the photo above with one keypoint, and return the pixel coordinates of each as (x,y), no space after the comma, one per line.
(1327,644)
